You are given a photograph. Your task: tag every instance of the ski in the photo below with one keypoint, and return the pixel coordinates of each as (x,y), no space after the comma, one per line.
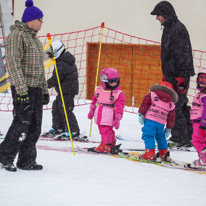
(133,156)
(62,137)
(41,138)
(181,149)
(65,140)
(53,148)
(168,164)
(114,150)
(77,149)
(89,151)
(185,166)
(119,137)
(61,149)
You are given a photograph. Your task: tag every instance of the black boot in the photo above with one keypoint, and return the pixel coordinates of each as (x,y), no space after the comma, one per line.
(9,167)
(53,133)
(33,166)
(115,149)
(79,137)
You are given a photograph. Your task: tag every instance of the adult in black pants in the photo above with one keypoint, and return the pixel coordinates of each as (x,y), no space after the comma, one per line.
(177,68)
(24,62)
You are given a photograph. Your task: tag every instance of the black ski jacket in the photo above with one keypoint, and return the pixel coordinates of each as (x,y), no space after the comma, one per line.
(68,75)
(176,50)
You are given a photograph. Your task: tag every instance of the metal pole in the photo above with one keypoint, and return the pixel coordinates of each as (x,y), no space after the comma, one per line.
(2,24)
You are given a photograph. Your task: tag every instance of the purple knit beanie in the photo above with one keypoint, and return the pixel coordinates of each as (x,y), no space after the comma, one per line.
(31,12)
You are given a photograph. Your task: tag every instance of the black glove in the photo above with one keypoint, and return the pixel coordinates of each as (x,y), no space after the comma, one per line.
(181,87)
(23,98)
(45,99)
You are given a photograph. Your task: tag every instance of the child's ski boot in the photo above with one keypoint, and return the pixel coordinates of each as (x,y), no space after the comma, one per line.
(75,136)
(52,133)
(103,148)
(148,155)
(201,162)
(162,155)
(106,148)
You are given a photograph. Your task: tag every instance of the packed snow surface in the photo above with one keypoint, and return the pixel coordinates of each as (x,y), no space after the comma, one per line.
(88,179)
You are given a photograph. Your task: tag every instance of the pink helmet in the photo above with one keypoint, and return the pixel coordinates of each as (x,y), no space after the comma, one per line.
(109,75)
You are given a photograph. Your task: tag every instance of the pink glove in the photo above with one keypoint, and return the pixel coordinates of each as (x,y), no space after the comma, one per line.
(116,122)
(92,110)
(91,114)
(201,132)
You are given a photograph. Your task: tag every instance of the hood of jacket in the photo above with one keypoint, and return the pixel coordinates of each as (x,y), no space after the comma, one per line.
(66,57)
(165,9)
(21,26)
(164,93)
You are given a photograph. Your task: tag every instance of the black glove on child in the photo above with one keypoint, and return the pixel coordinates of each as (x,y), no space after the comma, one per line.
(45,99)
(23,98)
(181,86)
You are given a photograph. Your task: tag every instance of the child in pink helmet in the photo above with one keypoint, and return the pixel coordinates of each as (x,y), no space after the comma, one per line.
(198,118)
(107,108)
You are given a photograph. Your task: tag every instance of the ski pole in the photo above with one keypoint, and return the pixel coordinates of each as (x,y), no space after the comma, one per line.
(60,89)
(4,77)
(98,62)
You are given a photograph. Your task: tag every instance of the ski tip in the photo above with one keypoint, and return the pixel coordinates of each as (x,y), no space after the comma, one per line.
(119,138)
(187,166)
(91,149)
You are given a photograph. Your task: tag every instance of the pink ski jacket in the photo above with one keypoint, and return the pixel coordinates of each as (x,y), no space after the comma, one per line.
(107,104)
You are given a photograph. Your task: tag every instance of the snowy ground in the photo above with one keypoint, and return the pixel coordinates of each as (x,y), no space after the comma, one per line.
(85,179)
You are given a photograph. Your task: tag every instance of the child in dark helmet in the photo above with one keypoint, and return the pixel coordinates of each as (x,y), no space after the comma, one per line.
(68,77)
(107,108)
(198,118)
(156,110)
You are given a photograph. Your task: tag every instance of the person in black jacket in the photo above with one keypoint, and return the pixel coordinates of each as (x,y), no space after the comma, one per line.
(177,68)
(68,76)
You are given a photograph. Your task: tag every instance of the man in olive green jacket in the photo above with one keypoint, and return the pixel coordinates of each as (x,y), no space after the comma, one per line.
(24,62)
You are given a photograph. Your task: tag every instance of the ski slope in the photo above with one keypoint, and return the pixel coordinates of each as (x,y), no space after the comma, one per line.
(85,179)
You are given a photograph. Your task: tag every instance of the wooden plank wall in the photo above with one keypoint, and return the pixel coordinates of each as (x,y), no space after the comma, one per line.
(139,67)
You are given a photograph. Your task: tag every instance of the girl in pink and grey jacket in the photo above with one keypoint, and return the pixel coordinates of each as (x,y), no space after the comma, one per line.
(107,108)
(198,118)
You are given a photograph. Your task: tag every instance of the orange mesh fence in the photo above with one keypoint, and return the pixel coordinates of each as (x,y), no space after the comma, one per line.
(136,59)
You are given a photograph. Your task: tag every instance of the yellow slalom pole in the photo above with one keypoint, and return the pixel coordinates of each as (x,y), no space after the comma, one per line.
(60,89)
(4,77)
(98,62)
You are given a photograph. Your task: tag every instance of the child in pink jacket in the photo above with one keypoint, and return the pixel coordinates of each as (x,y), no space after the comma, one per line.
(107,108)
(198,118)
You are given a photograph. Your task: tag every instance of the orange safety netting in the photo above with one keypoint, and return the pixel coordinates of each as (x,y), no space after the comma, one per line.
(136,59)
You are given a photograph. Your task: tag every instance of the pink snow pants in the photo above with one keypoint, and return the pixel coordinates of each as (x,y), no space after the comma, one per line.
(107,134)
(198,142)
